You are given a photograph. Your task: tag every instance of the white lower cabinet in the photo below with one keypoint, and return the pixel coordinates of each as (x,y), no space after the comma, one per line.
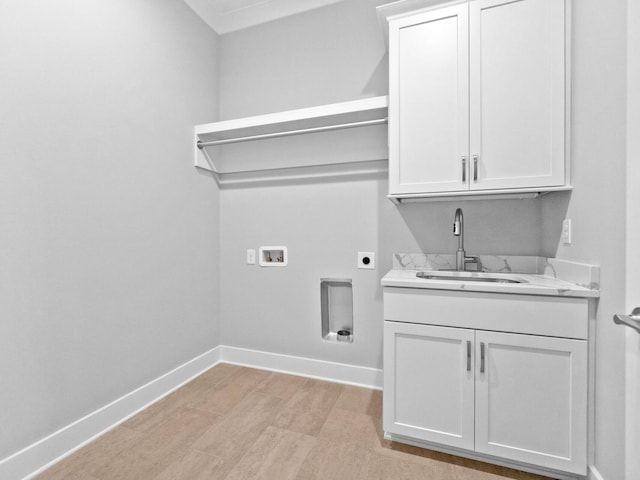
(428,394)
(531,399)
(509,396)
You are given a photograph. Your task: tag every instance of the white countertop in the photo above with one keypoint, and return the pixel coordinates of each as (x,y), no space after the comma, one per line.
(534,284)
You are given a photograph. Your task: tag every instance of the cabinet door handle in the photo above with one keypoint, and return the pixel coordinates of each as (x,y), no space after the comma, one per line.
(475,168)
(468,356)
(464,169)
(481,357)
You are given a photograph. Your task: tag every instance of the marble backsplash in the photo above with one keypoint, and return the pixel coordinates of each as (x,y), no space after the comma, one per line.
(490,263)
(582,274)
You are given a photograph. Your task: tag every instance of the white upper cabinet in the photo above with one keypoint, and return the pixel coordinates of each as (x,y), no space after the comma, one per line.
(517,53)
(478,101)
(429,106)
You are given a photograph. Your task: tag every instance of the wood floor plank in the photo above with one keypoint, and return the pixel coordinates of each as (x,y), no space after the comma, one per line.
(383,467)
(418,454)
(281,385)
(157,413)
(360,400)
(220,372)
(459,468)
(195,465)
(192,393)
(237,423)
(364,401)
(307,411)
(232,437)
(230,391)
(163,445)
(333,461)
(344,426)
(276,455)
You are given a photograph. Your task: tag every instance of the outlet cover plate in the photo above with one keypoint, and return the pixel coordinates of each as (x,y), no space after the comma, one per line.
(367,260)
(566,231)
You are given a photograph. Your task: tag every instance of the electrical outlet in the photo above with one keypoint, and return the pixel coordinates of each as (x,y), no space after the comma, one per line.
(566,231)
(251,256)
(367,260)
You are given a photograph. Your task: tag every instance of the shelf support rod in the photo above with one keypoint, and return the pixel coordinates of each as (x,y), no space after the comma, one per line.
(328,128)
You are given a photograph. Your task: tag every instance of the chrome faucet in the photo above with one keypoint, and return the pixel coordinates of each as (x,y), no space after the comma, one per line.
(458,231)
(461,258)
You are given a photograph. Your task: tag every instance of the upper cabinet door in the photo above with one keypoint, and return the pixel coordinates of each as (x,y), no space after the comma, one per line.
(517,81)
(429,101)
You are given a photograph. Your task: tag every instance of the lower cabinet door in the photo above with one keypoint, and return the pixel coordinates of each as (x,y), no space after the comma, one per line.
(531,399)
(429,383)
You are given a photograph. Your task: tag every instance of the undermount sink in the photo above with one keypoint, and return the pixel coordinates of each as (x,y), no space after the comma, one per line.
(469,277)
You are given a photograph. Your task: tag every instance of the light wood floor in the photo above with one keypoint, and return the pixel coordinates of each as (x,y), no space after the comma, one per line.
(238,423)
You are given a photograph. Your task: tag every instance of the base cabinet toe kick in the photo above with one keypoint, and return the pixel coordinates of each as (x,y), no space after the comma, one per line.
(480,383)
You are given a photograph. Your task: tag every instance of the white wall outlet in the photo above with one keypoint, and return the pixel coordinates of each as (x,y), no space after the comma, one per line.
(367,260)
(566,231)
(251,256)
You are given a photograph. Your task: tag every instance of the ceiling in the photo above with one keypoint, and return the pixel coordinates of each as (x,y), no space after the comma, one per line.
(226,16)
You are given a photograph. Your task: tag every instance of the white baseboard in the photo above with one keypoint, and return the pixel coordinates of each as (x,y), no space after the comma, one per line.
(37,457)
(32,460)
(594,474)
(304,367)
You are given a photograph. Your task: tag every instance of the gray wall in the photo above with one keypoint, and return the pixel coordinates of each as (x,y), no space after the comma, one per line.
(597,203)
(108,236)
(337,53)
(109,239)
(327,55)
(332,54)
